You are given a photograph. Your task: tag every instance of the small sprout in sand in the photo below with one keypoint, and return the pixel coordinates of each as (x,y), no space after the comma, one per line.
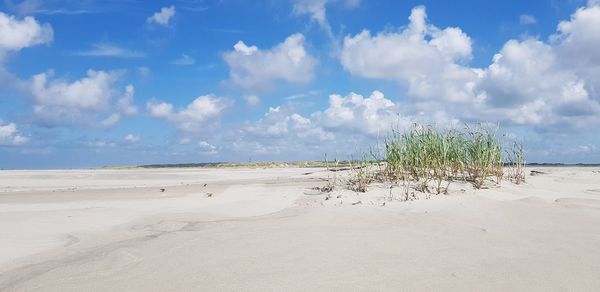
(331,180)
(362,174)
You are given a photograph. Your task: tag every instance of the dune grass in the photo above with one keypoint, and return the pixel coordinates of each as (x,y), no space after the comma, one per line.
(429,159)
(516,162)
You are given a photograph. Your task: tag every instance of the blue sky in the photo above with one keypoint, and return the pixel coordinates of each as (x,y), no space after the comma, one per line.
(93,83)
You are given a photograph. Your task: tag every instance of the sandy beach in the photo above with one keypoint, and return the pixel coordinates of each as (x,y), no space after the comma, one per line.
(266,229)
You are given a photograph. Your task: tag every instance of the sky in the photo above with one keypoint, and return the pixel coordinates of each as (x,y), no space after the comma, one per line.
(128,82)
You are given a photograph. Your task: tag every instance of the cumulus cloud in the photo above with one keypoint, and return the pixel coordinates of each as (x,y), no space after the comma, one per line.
(354,113)
(58,102)
(163,17)
(578,38)
(549,83)
(254,70)
(279,132)
(123,106)
(194,117)
(89,92)
(529,82)
(422,56)
(576,44)
(374,115)
(243,49)
(16,34)
(9,135)
(345,125)
(281,123)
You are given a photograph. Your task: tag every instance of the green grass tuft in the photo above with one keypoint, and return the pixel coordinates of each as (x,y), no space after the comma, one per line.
(431,158)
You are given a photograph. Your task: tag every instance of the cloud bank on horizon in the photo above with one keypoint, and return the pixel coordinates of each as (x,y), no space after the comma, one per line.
(183,82)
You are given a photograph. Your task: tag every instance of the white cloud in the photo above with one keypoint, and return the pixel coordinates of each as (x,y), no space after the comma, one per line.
(194,117)
(207,148)
(163,17)
(576,44)
(17,34)
(102,144)
(280,123)
(254,70)
(354,113)
(425,58)
(317,10)
(131,138)
(525,19)
(346,125)
(81,102)
(125,103)
(9,135)
(279,132)
(184,60)
(579,38)
(349,115)
(529,82)
(252,100)
(91,92)
(302,95)
(160,110)
(549,84)
(111,120)
(29,7)
(110,50)
(242,48)
(314,8)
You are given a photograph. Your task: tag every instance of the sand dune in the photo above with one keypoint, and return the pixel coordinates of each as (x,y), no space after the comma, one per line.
(264,229)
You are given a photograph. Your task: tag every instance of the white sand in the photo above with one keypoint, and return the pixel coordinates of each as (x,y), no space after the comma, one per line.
(263,229)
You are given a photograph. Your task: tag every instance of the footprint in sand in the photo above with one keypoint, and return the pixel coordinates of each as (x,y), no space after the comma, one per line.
(579,203)
(71,239)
